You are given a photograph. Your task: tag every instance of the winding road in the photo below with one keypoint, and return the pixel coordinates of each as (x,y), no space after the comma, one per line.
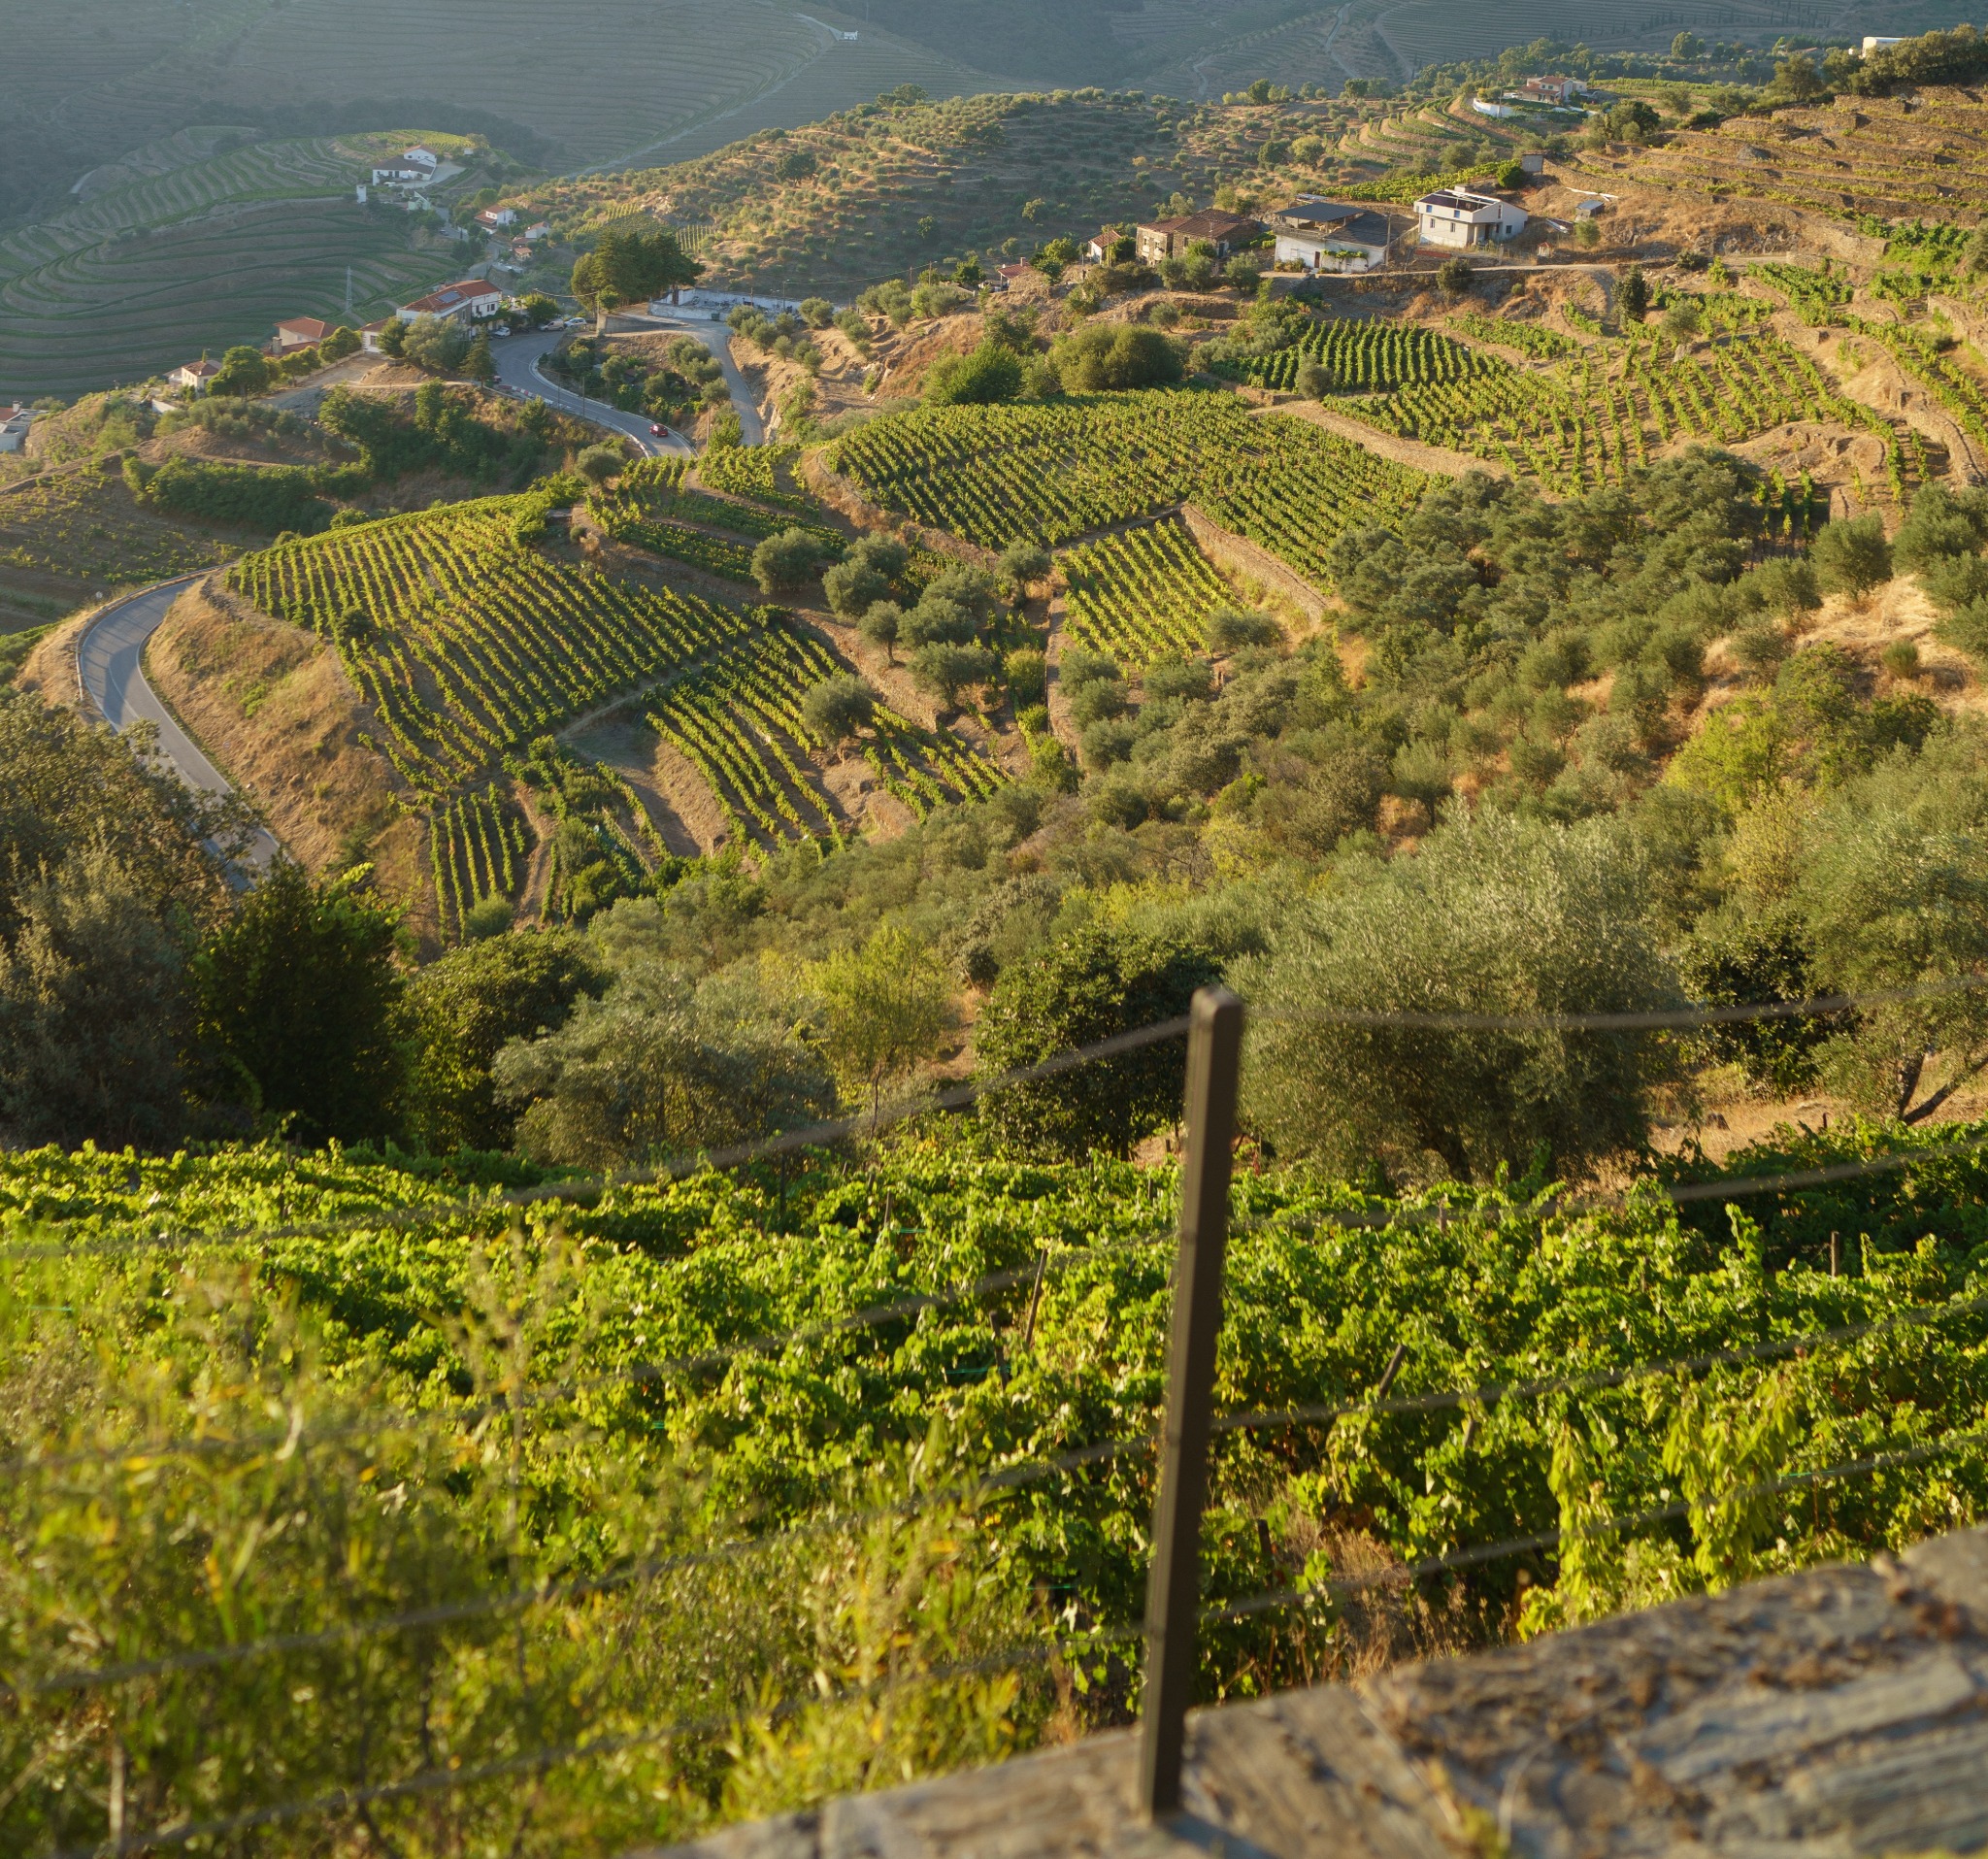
(518,359)
(109,664)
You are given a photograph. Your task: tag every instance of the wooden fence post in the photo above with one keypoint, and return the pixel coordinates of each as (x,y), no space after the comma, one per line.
(1214,1050)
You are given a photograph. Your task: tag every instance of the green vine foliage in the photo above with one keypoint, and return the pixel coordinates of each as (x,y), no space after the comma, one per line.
(439,1403)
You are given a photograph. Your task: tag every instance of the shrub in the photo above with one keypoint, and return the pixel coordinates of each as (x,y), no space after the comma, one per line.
(991,372)
(1024,671)
(1851,557)
(1101,980)
(1098,358)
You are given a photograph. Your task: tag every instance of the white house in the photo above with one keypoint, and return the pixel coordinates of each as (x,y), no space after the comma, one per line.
(194,376)
(470,300)
(1463,217)
(1324,235)
(14,424)
(492,217)
(411,169)
(1874,40)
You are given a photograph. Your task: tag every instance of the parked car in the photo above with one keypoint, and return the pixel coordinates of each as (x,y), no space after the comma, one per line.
(501,329)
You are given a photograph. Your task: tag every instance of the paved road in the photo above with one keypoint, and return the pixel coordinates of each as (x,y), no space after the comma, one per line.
(718,339)
(107,658)
(517,360)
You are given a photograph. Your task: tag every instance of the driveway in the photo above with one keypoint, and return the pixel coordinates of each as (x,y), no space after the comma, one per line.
(518,359)
(107,660)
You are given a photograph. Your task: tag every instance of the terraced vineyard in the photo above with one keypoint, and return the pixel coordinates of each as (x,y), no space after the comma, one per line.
(469,642)
(78,524)
(1584,423)
(1142,594)
(763,473)
(1056,472)
(1368,354)
(738,721)
(479,846)
(1530,339)
(648,507)
(1824,300)
(122,286)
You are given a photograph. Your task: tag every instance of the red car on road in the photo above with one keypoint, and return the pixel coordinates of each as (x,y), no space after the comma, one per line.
(655,432)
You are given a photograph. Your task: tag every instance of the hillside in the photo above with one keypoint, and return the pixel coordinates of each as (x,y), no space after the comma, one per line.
(891,188)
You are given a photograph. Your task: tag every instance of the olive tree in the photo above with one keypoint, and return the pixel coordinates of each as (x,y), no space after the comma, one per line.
(837,708)
(1496,915)
(886,1007)
(1892,888)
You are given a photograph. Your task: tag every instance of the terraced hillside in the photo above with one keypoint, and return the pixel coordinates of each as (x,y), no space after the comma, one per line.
(840,202)
(209,248)
(475,647)
(1885,158)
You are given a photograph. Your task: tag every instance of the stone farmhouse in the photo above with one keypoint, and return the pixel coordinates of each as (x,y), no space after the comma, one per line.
(1158,239)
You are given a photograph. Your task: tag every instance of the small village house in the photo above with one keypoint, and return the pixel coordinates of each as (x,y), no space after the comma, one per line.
(1101,244)
(1464,217)
(1550,90)
(300,332)
(415,166)
(1158,239)
(15,421)
(369,336)
(193,375)
(1326,235)
(470,300)
(493,217)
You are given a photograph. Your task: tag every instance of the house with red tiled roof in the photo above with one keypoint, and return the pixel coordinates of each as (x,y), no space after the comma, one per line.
(1159,239)
(470,300)
(300,332)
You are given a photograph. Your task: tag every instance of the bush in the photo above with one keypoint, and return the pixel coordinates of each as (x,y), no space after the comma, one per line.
(1233,629)
(1851,557)
(1089,985)
(271,498)
(599,464)
(818,312)
(1025,675)
(1453,277)
(1313,381)
(991,372)
(1098,358)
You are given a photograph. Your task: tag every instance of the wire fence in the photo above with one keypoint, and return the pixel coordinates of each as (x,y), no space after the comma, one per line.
(983,1488)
